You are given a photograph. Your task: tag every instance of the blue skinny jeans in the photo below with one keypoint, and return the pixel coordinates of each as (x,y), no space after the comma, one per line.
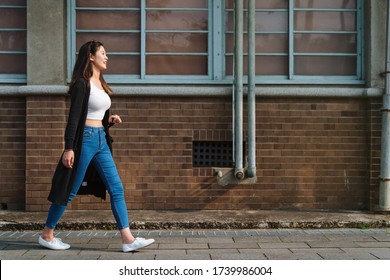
(96,150)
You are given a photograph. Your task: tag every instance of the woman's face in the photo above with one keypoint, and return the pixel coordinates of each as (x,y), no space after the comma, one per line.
(99,59)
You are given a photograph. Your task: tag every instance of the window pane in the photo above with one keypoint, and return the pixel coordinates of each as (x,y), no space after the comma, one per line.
(265,21)
(325,43)
(265,65)
(13,2)
(111,3)
(265,43)
(176,42)
(13,18)
(13,37)
(271,21)
(262,4)
(123,64)
(325,21)
(272,43)
(13,41)
(113,42)
(176,65)
(13,64)
(176,3)
(325,65)
(187,43)
(270,65)
(334,4)
(108,20)
(176,20)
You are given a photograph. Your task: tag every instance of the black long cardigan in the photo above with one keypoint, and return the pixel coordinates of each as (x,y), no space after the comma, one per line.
(62,182)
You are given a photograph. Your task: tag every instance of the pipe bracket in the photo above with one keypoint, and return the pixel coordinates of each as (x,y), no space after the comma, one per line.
(226,176)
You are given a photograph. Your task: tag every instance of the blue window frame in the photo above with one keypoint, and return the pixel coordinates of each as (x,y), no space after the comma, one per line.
(191,41)
(13,45)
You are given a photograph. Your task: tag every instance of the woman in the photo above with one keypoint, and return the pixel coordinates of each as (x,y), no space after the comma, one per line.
(87,160)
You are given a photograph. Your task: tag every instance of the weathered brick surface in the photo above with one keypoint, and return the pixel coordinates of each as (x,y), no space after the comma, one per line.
(312,153)
(45,122)
(12,152)
(375,122)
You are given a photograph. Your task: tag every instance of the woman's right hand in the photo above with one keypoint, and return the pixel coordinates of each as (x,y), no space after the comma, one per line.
(68,158)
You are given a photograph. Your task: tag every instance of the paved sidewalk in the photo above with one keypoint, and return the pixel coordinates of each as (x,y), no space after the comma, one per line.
(268,244)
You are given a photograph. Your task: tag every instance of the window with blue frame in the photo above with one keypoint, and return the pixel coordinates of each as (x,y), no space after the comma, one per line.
(192,41)
(13,41)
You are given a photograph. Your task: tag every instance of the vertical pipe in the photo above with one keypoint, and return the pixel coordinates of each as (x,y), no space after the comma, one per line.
(251,171)
(238,90)
(291,40)
(384,187)
(143,40)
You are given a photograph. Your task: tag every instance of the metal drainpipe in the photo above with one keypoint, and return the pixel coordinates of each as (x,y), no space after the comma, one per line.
(251,170)
(238,90)
(384,187)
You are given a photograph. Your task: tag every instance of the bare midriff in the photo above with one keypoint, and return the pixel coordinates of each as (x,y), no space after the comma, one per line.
(93,123)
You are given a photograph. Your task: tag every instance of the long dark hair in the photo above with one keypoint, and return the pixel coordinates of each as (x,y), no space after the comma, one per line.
(83,66)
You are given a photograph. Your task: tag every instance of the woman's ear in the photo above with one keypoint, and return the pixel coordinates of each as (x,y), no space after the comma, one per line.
(91,57)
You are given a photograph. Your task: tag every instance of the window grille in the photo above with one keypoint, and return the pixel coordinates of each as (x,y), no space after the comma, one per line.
(191,41)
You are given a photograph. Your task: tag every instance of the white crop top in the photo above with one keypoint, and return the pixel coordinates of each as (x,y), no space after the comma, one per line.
(99,102)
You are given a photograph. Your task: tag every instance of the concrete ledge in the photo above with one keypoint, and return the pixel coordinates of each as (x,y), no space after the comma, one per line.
(205,219)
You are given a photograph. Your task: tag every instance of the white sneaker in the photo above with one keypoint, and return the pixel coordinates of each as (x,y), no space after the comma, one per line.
(138,243)
(55,244)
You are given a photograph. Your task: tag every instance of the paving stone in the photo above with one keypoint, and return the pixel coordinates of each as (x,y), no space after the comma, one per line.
(306,254)
(17,257)
(14,254)
(381,237)
(334,244)
(380,253)
(103,240)
(188,246)
(352,237)
(69,257)
(171,251)
(332,253)
(210,240)
(304,237)
(96,246)
(14,246)
(238,257)
(171,240)
(213,251)
(118,246)
(333,256)
(284,245)
(262,238)
(278,254)
(183,257)
(127,256)
(374,244)
(76,240)
(243,245)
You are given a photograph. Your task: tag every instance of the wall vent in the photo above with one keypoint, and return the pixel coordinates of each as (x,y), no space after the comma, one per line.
(212,154)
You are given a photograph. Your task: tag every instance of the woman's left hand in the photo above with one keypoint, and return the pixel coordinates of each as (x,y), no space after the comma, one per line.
(114,119)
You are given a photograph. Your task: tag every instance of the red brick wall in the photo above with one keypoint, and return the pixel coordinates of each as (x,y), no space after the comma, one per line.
(312,153)
(45,117)
(12,152)
(375,127)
